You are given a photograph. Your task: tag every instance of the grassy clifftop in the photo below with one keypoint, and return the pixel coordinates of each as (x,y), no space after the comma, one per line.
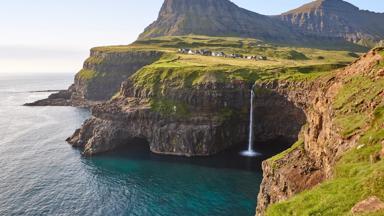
(183,70)
(359,173)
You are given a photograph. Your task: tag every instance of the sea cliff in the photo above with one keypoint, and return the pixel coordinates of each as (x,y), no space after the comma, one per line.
(101,77)
(341,140)
(195,105)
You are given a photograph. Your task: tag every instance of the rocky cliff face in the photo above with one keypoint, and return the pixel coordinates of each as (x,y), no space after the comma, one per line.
(323,23)
(183,122)
(101,77)
(199,120)
(336,19)
(214,18)
(312,159)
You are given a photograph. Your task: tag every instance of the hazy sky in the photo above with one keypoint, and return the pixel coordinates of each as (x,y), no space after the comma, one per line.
(55,36)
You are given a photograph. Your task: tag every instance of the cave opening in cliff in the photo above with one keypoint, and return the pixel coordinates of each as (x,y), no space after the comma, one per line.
(277,122)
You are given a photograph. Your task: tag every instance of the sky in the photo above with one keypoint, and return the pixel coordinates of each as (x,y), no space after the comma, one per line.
(55,36)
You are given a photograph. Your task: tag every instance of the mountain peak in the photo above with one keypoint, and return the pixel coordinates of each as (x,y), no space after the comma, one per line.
(213,18)
(320,21)
(336,19)
(336,5)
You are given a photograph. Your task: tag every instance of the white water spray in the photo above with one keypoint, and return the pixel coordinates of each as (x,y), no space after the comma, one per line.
(250,152)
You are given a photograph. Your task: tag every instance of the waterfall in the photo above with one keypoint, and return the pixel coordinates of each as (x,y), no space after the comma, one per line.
(250,137)
(250,152)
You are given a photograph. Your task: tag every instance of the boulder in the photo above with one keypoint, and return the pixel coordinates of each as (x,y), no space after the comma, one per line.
(369,205)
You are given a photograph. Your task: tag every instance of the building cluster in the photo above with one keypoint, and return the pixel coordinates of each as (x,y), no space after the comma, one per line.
(204,52)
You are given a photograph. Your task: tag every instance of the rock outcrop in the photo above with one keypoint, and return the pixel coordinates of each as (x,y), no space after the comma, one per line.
(369,205)
(312,161)
(101,77)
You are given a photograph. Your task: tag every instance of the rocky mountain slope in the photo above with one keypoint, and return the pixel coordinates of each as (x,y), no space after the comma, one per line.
(322,23)
(214,18)
(336,19)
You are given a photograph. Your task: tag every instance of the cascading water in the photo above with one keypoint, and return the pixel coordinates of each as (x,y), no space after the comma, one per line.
(250,152)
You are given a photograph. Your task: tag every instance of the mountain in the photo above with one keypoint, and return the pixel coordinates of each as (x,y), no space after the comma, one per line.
(214,18)
(324,23)
(336,19)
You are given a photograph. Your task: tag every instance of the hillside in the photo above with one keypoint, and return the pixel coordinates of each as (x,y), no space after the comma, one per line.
(214,18)
(336,19)
(331,24)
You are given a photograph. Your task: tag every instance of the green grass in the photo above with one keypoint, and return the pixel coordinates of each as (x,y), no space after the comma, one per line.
(94,60)
(382,53)
(174,70)
(245,46)
(274,159)
(168,107)
(352,101)
(290,54)
(87,74)
(381,64)
(356,177)
(350,123)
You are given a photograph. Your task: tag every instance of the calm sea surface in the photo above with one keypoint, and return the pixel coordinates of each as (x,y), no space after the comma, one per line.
(42,175)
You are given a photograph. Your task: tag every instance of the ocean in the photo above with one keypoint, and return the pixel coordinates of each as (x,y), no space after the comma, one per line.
(42,175)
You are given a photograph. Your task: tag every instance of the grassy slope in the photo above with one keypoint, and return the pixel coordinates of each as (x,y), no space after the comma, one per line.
(181,70)
(356,176)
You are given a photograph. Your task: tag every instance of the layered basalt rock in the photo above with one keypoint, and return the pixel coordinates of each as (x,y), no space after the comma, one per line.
(195,122)
(101,77)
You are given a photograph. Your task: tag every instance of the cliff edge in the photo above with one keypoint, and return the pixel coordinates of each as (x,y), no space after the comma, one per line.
(337,161)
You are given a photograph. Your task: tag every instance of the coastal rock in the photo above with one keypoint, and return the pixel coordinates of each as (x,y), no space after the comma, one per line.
(201,130)
(369,205)
(201,120)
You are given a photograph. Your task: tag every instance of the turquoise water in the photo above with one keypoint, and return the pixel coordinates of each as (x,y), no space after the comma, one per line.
(42,175)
